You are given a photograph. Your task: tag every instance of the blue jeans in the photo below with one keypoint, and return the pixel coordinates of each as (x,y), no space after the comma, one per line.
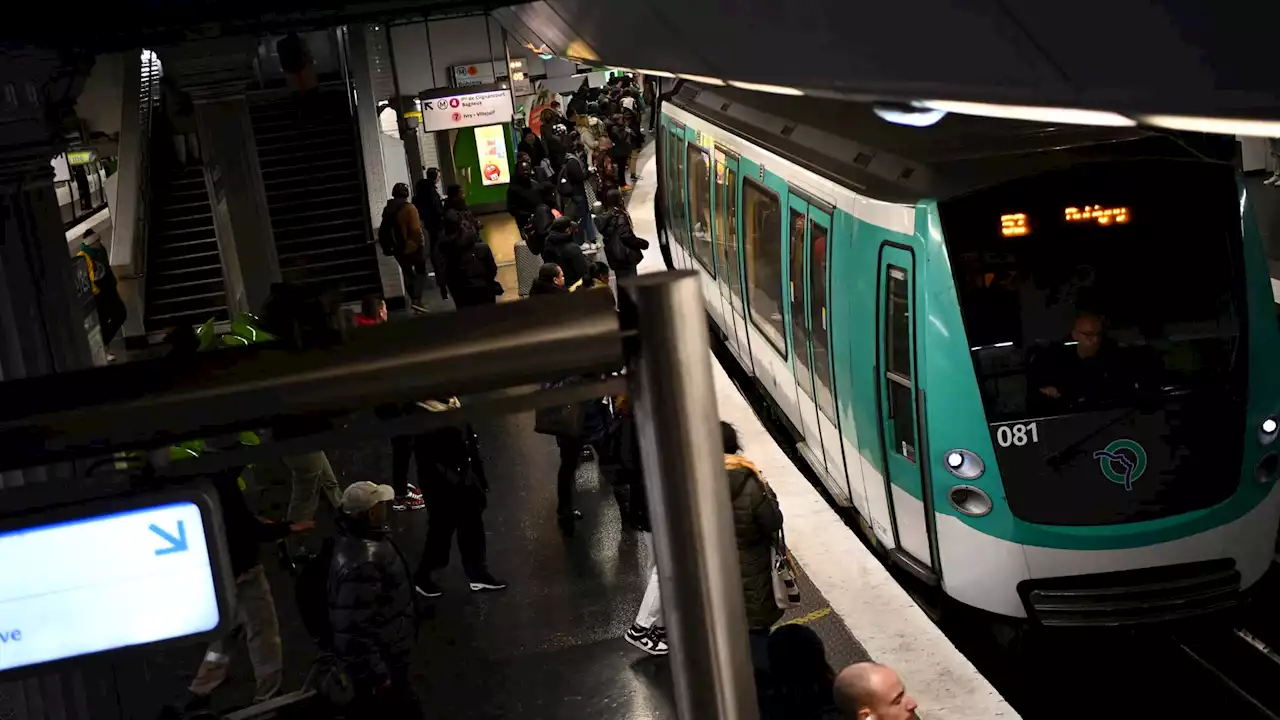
(586,227)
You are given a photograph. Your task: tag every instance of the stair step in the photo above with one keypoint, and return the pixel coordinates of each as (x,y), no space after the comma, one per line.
(215,312)
(339,132)
(356,239)
(189,284)
(371,277)
(349,197)
(186,298)
(186,231)
(337,172)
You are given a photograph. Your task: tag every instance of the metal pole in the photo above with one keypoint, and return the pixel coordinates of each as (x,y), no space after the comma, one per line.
(689,500)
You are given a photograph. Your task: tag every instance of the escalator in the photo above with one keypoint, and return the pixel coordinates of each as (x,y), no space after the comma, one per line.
(184,269)
(311,172)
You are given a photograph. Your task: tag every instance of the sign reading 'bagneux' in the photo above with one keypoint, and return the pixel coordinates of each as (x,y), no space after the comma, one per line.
(466,110)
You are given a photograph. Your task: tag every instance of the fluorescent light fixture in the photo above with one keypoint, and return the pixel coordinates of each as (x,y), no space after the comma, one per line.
(766,88)
(659,73)
(911,114)
(1221,126)
(1069,116)
(702,79)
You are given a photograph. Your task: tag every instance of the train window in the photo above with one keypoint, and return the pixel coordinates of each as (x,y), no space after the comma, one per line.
(897,324)
(762,238)
(897,327)
(675,201)
(799,329)
(721,220)
(678,208)
(731,246)
(818,319)
(700,207)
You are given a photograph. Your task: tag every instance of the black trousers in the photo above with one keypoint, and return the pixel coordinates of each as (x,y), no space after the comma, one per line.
(566,477)
(404,447)
(453,508)
(111,314)
(414,267)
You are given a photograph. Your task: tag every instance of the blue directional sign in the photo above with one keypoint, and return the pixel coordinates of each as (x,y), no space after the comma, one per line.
(105,582)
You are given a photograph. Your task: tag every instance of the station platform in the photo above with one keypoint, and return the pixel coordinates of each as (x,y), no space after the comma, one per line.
(551,645)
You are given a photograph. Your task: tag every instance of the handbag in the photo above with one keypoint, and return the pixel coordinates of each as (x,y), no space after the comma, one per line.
(564,420)
(786,593)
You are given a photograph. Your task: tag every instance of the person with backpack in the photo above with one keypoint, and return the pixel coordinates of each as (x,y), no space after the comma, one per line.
(622,248)
(400,236)
(522,195)
(426,198)
(371,607)
(554,137)
(455,487)
(544,215)
(563,250)
(470,271)
(531,145)
(573,187)
(620,136)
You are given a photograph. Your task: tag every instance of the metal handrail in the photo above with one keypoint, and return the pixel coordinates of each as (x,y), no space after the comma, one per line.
(663,340)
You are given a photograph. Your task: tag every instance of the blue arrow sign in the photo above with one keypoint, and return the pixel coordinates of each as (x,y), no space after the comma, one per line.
(176,544)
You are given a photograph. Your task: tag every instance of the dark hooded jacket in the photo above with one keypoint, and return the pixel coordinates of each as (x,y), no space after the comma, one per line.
(563,250)
(522,200)
(756,517)
(426,198)
(370,603)
(470,271)
(622,248)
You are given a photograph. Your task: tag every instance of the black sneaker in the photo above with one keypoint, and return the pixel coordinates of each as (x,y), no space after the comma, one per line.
(487,582)
(428,588)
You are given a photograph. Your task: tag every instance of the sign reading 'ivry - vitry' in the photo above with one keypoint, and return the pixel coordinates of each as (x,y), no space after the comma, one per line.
(466,110)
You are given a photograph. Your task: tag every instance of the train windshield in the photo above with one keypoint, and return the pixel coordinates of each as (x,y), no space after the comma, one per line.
(1083,289)
(1102,306)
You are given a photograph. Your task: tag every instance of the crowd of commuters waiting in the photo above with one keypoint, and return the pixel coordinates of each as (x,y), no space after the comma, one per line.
(358,596)
(573,159)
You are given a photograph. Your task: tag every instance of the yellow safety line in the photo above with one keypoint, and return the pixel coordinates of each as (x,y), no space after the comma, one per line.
(815,615)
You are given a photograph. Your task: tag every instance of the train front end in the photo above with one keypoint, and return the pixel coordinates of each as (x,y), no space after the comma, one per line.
(1121,394)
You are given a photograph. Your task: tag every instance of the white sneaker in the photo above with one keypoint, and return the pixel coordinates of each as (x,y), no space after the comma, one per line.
(1274,179)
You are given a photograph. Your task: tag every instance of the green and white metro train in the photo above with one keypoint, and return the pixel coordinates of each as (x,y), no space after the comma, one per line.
(907,296)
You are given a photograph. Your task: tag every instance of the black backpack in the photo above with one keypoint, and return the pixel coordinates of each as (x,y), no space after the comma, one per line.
(311,592)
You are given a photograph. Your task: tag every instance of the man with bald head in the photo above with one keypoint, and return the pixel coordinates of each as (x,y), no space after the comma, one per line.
(871,691)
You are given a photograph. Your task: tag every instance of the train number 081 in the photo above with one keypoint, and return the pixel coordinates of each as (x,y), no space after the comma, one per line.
(1017,434)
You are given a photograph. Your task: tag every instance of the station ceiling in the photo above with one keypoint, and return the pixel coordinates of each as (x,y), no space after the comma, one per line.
(1200,57)
(1188,57)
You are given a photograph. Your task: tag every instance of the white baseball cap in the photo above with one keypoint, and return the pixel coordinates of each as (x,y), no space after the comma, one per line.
(361,496)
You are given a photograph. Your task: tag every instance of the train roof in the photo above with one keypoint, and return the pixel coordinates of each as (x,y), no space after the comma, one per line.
(848,143)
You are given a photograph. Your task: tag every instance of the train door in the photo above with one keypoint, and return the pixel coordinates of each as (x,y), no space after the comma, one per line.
(733,262)
(699,212)
(721,239)
(675,201)
(801,332)
(896,377)
(824,389)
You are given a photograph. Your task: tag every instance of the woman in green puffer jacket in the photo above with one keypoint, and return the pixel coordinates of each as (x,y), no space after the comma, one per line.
(756,520)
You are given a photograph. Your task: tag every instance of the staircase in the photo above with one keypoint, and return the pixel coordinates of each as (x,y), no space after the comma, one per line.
(311,172)
(184,269)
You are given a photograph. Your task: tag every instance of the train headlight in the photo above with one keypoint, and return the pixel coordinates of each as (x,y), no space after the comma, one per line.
(1268,468)
(1268,429)
(969,500)
(963,464)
